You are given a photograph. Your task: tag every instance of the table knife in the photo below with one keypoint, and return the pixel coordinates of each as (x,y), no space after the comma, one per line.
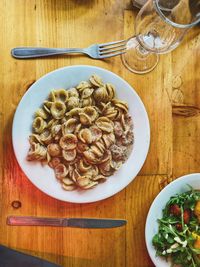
(65,222)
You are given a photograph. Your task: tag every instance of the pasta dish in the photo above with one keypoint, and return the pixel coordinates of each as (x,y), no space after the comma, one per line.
(84,134)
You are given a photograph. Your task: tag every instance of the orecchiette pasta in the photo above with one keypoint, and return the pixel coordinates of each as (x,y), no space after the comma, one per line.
(84,134)
(72,102)
(60,171)
(46,137)
(69,126)
(58,109)
(96,81)
(41,113)
(85,119)
(68,141)
(37,152)
(72,92)
(39,124)
(54,150)
(60,95)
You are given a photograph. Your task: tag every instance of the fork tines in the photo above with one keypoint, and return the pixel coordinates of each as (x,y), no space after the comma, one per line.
(112,49)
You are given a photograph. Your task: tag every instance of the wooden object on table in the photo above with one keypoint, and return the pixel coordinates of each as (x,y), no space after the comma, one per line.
(175,139)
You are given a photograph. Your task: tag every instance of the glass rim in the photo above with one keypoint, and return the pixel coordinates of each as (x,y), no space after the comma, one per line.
(174,24)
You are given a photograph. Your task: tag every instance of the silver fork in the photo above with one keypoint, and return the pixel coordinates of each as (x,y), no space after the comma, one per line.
(97,51)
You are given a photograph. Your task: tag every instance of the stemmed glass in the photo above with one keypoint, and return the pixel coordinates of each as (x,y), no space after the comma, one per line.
(159,28)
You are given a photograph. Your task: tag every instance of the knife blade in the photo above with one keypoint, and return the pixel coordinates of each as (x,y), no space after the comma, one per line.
(65,222)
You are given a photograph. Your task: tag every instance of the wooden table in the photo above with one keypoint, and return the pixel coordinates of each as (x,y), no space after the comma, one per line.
(171,94)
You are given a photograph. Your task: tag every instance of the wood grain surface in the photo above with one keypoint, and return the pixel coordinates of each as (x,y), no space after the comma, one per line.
(171,94)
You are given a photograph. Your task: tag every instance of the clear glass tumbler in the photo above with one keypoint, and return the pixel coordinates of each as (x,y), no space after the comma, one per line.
(159,28)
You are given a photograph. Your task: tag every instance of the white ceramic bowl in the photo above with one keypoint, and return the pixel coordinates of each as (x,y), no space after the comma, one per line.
(178,186)
(43,177)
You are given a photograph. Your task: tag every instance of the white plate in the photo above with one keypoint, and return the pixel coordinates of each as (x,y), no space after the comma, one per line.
(43,177)
(179,186)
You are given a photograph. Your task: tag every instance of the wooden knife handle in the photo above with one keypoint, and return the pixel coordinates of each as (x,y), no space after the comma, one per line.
(28,220)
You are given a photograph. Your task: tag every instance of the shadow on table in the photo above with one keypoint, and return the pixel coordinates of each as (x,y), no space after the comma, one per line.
(18,256)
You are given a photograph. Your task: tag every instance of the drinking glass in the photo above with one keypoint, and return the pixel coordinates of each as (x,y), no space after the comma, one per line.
(159,28)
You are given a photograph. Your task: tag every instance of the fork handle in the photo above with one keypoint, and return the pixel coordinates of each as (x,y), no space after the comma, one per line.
(33,52)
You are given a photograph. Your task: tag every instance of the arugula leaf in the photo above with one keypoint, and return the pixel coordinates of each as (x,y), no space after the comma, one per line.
(174,242)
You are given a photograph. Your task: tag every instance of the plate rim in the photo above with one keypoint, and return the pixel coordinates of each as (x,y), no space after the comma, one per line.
(117,77)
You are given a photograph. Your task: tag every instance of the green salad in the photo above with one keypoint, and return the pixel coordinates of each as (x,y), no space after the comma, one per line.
(178,237)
